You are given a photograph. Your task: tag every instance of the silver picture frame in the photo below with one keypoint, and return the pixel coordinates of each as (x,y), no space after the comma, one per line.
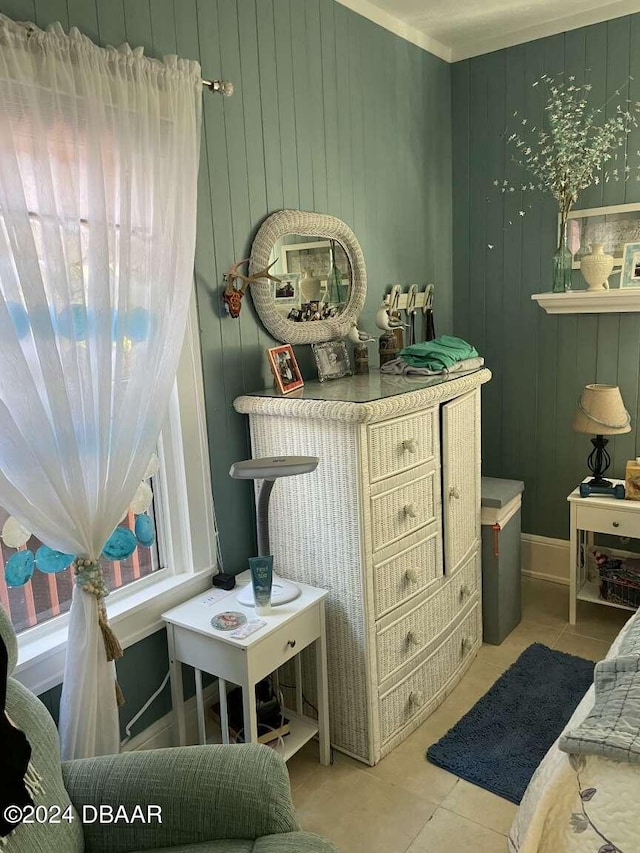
(332,360)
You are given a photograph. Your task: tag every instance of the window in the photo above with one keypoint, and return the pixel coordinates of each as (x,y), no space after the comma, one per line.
(48,595)
(185,528)
(62,188)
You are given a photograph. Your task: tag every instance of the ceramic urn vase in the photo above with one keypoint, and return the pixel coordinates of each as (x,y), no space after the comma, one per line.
(309,286)
(596,268)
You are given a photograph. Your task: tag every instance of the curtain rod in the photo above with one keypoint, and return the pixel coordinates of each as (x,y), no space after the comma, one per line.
(222,86)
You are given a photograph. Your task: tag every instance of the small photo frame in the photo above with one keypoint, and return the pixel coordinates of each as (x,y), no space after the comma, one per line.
(286,291)
(630,265)
(332,359)
(285,368)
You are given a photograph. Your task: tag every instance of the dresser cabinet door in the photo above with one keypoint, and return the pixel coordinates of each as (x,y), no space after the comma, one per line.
(460,478)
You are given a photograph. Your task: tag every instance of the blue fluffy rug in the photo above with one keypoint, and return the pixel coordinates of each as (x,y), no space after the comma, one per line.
(499,743)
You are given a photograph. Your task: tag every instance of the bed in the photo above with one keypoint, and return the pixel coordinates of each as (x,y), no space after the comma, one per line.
(582,803)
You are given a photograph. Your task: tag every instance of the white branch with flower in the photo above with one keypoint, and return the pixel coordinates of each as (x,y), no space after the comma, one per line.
(574,148)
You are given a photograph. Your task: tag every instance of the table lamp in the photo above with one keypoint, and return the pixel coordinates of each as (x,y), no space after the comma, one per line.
(269,470)
(601,412)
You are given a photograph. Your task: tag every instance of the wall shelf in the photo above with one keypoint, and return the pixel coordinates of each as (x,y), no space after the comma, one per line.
(590,301)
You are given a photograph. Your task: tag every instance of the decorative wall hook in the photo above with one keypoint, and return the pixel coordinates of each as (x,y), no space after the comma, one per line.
(233,293)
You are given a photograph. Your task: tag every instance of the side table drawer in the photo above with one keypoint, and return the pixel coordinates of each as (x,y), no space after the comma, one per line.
(285,643)
(618,522)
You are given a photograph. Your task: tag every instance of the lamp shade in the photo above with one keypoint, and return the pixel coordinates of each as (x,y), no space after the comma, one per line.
(601,411)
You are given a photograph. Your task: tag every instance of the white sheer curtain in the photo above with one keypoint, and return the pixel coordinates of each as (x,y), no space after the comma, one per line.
(99,154)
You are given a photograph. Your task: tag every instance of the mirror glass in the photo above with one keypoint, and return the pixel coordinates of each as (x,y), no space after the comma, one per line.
(322,280)
(315,278)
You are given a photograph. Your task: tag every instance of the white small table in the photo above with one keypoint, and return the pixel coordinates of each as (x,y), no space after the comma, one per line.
(596,514)
(290,628)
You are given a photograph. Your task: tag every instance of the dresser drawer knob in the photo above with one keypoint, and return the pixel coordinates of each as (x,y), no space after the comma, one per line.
(467,645)
(291,643)
(464,591)
(416,698)
(454,493)
(410,510)
(616,524)
(410,444)
(414,638)
(412,575)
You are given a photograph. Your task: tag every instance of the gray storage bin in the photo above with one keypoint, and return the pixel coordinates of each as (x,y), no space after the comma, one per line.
(501,502)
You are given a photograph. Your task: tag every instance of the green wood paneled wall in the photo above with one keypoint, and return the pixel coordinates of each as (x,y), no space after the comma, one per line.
(540,362)
(330,113)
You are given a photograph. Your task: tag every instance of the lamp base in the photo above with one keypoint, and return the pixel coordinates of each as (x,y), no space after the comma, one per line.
(600,481)
(282,592)
(598,462)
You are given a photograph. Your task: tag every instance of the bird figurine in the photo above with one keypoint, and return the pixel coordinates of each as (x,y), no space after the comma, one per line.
(358,337)
(385,321)
(397,324)
(382,318)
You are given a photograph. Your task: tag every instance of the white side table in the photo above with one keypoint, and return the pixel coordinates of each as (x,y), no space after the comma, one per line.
(290,628)
(596,514)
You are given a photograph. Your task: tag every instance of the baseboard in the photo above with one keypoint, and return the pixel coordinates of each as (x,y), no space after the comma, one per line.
(543,576)
(160,734)
(545,558)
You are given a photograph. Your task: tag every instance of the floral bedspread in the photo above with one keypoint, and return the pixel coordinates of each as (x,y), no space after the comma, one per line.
(580,804)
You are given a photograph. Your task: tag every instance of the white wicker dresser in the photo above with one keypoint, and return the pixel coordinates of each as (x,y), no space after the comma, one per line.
(389,523)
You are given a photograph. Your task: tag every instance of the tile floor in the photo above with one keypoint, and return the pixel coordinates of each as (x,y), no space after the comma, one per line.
(406,805)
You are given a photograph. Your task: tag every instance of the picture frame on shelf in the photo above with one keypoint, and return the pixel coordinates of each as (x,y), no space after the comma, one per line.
(332,359)
(613,226)
(630,276)
(285,368)
(286,291)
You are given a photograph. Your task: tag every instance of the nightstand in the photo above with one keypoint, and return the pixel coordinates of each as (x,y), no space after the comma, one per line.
(290,628)
(596,514)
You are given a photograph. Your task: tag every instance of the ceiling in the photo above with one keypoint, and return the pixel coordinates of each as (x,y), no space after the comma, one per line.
(458,29)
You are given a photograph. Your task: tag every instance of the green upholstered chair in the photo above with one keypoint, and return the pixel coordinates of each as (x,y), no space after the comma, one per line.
(214,799)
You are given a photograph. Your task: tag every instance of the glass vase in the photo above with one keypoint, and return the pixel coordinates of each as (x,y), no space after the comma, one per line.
(562,261)
(334,286)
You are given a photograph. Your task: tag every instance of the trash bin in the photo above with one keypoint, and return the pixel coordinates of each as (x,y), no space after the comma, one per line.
(500,518)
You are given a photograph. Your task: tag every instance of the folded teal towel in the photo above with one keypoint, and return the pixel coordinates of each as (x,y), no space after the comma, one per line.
(438,354)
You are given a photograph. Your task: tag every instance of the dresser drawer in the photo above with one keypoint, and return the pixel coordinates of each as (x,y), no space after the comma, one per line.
(409,572)
(402,444)
(618,522)
(407,637)
(403,509)
(400,704)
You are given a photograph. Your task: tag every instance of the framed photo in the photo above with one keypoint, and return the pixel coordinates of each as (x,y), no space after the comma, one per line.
(287,290)
(630,265)
(332,359)
(315,255)
(612,226)
(285,368)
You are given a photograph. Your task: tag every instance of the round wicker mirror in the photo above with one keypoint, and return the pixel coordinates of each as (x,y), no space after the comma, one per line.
(327,259)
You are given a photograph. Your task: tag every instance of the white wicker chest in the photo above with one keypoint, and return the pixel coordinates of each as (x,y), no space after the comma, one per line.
(389,524)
